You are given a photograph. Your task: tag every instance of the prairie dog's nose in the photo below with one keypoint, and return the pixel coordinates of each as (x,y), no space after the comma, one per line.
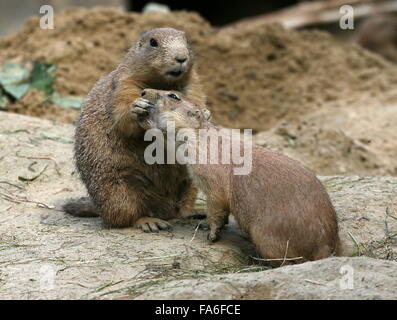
(181,59)
(150,94)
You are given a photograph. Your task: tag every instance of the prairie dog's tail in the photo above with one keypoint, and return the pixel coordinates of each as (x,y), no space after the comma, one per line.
(82,207)
(338,248)
(338,251)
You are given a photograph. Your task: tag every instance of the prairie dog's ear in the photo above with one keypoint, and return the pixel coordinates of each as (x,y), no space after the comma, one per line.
(206,114)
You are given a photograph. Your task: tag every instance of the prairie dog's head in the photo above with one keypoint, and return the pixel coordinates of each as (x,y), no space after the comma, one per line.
(165,52)
(173,106)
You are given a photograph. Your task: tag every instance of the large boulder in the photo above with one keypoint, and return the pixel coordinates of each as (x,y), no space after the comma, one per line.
(336,278)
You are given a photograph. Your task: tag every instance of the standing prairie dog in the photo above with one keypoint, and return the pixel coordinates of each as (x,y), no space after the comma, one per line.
(281,205)
(109,146)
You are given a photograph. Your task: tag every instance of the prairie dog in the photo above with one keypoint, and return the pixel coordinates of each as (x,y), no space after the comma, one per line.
(282,206)
(109,146)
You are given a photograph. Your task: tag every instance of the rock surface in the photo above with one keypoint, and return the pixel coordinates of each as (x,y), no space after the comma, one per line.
(336,278)
(45,253)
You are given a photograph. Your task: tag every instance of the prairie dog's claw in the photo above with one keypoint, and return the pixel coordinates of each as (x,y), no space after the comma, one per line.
(149,224)
(213,236)
(141,107)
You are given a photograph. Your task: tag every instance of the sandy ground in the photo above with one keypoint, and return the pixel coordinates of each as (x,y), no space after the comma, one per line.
(45,253)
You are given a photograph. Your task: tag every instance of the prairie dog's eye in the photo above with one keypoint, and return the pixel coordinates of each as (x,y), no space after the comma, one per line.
(173,96)
(153,43)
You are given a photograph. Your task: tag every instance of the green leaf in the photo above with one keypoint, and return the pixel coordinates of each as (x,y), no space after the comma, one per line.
(16,79)
(13,78)
(12,73)
(43,78)
(67,102)
(17,90)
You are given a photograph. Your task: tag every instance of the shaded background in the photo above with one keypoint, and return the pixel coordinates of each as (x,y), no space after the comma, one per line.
(219,13)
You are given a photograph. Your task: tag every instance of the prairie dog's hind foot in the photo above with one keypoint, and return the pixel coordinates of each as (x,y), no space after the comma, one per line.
(149,224)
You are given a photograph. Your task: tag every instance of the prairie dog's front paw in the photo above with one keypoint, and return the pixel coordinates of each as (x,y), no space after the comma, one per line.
(214,235)
(141,107)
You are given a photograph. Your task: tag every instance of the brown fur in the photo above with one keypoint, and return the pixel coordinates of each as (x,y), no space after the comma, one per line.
(109,144)
(280,204)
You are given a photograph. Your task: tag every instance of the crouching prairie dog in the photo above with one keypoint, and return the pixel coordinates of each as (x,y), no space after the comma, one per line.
(282,206)
(109,146)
